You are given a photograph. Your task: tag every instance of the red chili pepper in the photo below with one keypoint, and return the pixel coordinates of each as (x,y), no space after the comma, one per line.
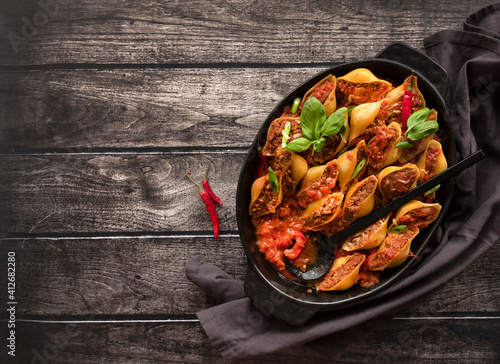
(209,189)
(209,204)
(407,100)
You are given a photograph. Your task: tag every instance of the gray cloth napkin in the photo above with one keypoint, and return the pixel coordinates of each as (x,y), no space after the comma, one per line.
(472,60)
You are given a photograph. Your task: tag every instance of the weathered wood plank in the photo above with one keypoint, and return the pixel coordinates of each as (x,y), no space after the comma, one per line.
(146,276)
(437,341)
(98,193)
(196,31)
(80,110)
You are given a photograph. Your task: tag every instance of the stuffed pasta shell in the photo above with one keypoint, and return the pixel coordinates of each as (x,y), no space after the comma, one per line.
(396,181)
(275,134)
(343,274)
(393,251)
(432,161)
(321,212)
(292,166)
(368,238)
(324,91)
(359,200)
(382,149)
(366,120)
(417,214)
(318,182)
(360,86)
(263,200)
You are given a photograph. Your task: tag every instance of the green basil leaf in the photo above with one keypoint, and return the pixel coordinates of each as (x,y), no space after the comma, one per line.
(349,110)
(286,134)
(399,229)
(343,129)
(404,144)
(299,145)
(358,168)
(416,118)
(273,180)
(312,118)
(334,123)
(432,190)
(319,144)
(423,130)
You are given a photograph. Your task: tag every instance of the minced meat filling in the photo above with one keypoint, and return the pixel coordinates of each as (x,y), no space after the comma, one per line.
(266,202)
(282,163)
(352,206)
(335,277)
(392,246)
(418,218)
(398,182)
(323,213)
(361,237)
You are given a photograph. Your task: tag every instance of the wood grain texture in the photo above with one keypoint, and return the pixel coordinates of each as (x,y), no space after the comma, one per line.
(102,193)
(196,31)
(81,110)
(146,276)
(443,340)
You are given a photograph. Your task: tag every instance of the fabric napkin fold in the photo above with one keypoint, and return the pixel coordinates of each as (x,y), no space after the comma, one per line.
(472,59)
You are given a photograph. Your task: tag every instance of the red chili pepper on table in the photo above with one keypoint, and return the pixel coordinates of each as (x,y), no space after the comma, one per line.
(209,204)
(209,189)
(407,101)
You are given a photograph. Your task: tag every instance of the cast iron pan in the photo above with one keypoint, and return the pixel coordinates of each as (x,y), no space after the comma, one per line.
(278,296)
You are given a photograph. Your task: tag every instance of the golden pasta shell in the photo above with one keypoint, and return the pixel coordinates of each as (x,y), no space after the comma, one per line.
(275,132)
(361,117)
(257,187)
(405,213)
(312,175)
(328,206)
(368,238)
(391,172)
(330,103)
(361,75)
(347,163)
(349,280)
(367,204)
(402,254)
(441,165)
(392,154)
(299,167)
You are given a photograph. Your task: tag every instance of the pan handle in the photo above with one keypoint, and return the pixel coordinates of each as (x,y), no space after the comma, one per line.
(433,72)
(271,302)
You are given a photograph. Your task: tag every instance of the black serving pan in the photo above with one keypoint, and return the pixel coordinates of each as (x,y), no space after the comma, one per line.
(278,296)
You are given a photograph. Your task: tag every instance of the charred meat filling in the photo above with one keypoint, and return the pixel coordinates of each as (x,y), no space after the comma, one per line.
(282,163)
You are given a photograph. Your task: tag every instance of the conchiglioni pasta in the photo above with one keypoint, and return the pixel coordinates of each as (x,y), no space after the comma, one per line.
(324,190)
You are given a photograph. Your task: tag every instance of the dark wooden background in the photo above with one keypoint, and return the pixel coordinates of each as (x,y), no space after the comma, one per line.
(104,106)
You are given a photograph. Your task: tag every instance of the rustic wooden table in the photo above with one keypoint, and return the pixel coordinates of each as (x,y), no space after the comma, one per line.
(104,106)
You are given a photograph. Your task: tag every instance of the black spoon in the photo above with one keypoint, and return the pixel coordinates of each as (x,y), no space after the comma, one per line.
(326,244)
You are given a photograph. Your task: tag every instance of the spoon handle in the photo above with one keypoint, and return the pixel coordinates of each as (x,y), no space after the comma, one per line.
(407,197)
